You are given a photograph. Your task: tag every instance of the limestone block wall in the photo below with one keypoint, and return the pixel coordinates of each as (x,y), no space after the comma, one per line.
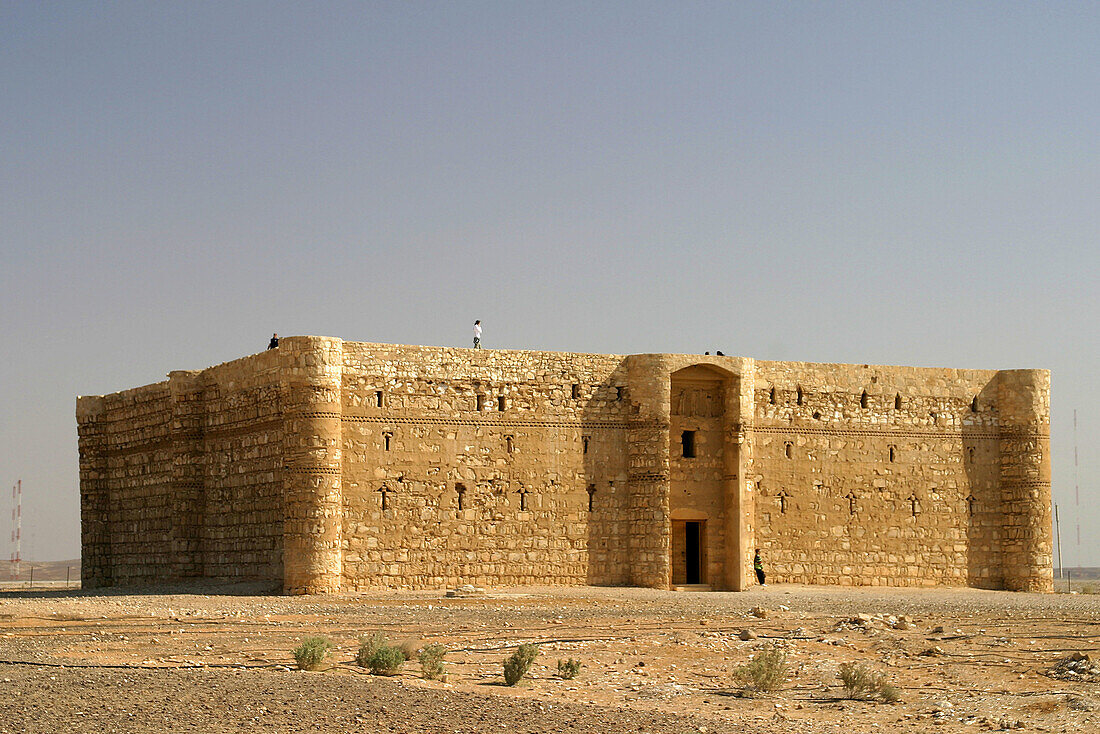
(127,456)
(887,476)
(464,466)
(95,540)
(184,478)
(243,469)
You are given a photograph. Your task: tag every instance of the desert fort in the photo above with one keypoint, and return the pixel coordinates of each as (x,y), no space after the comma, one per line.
(327,465)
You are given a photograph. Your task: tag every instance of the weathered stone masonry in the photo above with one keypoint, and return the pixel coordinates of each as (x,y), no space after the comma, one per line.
(328,465)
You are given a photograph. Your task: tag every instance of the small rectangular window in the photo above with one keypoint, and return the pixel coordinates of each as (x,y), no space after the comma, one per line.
(378,399)
(480,403)
(620,392)
(460,489)
(576,391)
(386,440)
(584,440)
(687,440)
(501,403)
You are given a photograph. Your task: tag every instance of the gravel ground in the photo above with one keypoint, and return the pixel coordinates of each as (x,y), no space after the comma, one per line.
(654,661)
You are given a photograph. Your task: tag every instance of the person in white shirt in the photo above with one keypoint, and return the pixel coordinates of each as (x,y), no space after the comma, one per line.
(477,334)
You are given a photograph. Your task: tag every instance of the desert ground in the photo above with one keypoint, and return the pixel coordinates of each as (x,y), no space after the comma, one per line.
(652,661)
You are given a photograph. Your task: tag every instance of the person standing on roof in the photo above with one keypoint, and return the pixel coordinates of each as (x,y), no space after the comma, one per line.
(477,334)
(274,343)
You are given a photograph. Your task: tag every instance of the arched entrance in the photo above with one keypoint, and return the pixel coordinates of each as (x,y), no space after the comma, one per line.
(703,460)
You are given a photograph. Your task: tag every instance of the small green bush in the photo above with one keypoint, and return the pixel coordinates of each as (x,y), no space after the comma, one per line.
(765,673)
(368,646)
(568,669)
(386,660)
(860,681)
(431,661)
(312,652)
(517,665)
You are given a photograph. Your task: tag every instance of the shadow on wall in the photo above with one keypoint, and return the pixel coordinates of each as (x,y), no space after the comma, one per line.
(980,505)
(608,409)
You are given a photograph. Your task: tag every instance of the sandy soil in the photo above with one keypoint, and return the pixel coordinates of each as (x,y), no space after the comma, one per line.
(652,661)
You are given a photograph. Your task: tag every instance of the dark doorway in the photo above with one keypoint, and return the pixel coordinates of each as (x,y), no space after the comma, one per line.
(692,546)
(689,552)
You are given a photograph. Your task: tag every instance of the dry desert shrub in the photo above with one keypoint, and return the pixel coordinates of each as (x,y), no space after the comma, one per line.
(312,652)
(431,661)
(568,669)
(386,660)
(860,681)
(765,673)
(368,646)
(517,665)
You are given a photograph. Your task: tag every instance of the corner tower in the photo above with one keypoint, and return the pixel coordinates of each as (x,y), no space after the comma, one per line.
(312,371)
(1023,398)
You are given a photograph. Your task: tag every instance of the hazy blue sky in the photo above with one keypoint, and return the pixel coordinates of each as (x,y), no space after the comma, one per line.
(882,182)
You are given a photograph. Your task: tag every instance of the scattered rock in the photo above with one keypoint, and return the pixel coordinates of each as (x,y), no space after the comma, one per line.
(1081,703)
(747,634)
(861,619)
(1075,666)
(938,630)
(760,612)
(465,591)
(934,651)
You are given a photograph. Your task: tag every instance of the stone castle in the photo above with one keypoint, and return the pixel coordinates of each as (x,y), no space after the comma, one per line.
(327,465)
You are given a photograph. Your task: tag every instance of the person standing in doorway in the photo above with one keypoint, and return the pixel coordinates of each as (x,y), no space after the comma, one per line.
(758,566)
(477,334)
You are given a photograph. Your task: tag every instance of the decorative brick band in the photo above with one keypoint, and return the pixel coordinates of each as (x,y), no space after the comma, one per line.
(129,448)
(648,477)
(225,430)
(484,421)
(984,434)
(310,414)
(313,470)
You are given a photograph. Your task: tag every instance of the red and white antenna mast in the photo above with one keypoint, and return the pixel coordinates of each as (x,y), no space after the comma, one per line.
(16,527)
